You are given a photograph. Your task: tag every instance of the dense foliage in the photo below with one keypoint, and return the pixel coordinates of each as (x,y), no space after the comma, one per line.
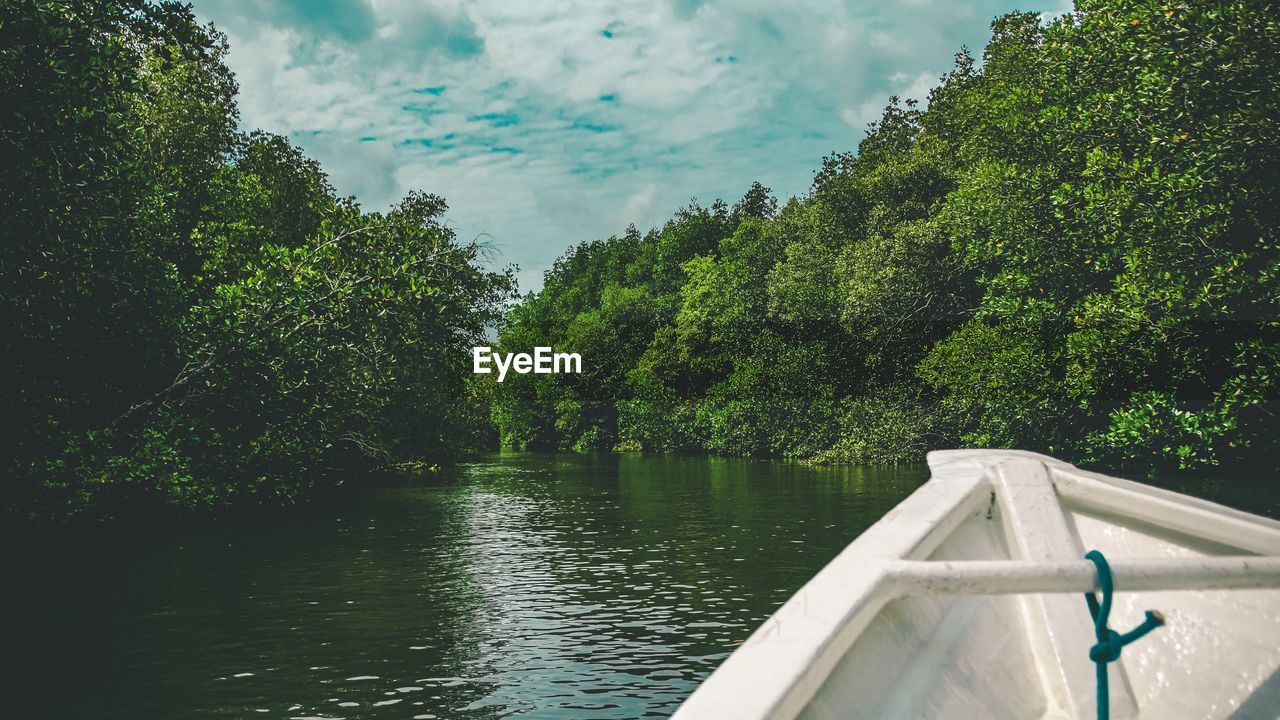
(1073,249)
(188,313)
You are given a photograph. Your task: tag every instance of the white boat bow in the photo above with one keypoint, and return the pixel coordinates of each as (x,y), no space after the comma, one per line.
(965,601)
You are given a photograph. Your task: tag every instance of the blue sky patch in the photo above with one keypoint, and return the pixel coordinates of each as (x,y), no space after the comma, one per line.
(522,100)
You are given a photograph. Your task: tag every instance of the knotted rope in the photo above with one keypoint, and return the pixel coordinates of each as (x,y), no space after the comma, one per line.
(1110,642)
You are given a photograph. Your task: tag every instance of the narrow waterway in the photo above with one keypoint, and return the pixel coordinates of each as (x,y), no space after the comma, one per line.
(520,585)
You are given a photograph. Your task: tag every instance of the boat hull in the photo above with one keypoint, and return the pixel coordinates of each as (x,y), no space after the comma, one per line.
(965,602)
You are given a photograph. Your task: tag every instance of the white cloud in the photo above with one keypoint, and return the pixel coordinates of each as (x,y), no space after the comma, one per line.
(545,124)
(639,205)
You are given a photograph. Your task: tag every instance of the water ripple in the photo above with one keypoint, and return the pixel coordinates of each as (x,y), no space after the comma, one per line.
(547,586)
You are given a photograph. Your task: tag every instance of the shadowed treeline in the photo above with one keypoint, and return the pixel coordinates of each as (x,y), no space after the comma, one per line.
(189,315)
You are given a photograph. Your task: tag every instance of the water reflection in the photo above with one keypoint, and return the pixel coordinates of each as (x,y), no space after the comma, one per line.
(615,583)
(555,586)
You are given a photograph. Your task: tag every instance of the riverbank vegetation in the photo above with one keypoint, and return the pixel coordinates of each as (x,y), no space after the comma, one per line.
(1073,249)
(190,315)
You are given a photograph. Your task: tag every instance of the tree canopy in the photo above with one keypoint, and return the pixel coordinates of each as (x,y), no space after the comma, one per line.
(1072,249)
(191,315)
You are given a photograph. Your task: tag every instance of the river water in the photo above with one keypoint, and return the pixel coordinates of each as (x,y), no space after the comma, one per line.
(519,585)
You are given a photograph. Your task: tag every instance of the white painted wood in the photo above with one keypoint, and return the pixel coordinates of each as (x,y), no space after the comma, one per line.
(787,659)
(1169,511)
(1059,627)
(1011,577)
(1013,523)
(1216,658)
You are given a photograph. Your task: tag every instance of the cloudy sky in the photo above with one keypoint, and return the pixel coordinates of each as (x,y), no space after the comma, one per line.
(548,123)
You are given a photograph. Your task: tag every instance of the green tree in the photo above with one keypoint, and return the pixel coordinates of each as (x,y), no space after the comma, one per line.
(189,316)
(1073,249)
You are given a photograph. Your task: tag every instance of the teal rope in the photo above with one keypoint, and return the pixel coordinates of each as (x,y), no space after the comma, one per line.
(1110,642)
